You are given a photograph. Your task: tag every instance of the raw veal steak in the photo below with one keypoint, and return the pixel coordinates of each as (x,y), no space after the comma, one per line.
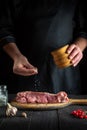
(41,97)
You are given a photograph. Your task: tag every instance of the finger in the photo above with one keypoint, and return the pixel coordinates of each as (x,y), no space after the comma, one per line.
(28,65)
(76,59)
(70,48)
(76,63)
(31,68)
(73,53)
(25,72)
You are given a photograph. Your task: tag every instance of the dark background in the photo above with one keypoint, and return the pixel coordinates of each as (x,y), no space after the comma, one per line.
(83,72)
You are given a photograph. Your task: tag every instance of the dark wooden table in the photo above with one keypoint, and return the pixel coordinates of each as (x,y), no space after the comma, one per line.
(59,119)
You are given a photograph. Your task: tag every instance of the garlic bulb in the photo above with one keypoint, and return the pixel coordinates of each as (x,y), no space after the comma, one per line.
(11,111)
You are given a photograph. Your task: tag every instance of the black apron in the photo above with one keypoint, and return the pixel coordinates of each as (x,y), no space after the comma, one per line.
(40,27)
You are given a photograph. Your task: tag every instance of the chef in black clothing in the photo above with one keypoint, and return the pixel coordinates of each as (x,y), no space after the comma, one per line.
(30,30)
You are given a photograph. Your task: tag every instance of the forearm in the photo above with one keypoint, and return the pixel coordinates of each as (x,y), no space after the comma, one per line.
(12,50)
(81,43)
(21,65)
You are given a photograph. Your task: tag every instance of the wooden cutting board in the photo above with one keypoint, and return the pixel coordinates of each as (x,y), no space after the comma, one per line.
(48,105)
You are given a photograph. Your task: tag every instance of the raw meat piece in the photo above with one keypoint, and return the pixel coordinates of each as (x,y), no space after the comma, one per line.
(41,97)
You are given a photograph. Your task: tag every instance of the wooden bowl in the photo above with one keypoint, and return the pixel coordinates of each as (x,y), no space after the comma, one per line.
(61,57)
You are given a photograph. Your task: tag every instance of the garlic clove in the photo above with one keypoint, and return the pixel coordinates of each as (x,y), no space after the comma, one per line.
(11,111)
(24,114)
